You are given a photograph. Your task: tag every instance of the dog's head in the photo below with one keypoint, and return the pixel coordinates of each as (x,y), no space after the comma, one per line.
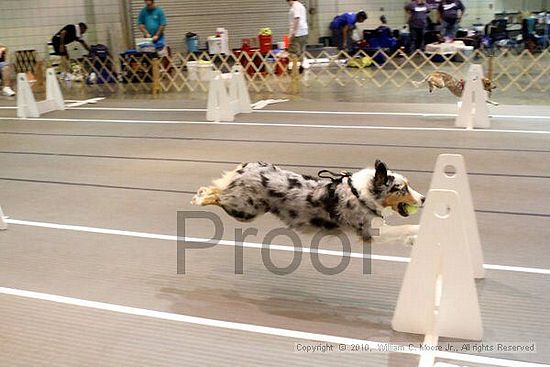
(389,189)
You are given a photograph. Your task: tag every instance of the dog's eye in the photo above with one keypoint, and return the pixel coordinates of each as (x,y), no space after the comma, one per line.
(395,188)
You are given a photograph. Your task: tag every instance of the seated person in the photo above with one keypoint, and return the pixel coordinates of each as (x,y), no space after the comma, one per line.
(5,72)
(67,35)
(152,23)
(384,36)
(383,27)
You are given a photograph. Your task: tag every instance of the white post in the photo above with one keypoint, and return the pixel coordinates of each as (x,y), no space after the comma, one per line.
(26,104)
(219,107)
(212,109)
(450,174)
(473,111)
(3,224)
(53,91)
(245,105)
(438,296)
(226,101)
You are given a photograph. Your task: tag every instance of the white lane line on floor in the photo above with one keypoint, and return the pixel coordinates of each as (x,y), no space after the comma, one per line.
(351,113)
(310,126)
(417,114)
(117,232)
(266,330)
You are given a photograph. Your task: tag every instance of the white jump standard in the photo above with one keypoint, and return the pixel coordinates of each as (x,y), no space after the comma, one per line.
(438,297)
(3,224)
(473,111)
(226,101)
(27,106)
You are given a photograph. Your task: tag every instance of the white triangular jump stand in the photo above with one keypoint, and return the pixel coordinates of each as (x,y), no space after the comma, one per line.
(450,174)
(227,96)
(473,111)
(26,103)
(3,224)
(438,296)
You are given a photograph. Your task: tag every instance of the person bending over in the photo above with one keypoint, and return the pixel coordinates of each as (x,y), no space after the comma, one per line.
(67,35)
(342,25)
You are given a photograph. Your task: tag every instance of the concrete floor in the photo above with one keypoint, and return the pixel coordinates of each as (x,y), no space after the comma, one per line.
(132,170)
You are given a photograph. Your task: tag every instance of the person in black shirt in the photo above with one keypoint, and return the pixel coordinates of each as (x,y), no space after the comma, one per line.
(68,34)
(450,14)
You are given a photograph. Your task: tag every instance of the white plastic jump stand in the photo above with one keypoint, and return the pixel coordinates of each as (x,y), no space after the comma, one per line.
(438,297)
(450,174)
(227,96)
(473,111)
(3,224)
(26,103)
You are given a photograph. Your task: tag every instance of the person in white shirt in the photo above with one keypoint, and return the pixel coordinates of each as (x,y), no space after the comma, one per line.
(5,72)
(298,29)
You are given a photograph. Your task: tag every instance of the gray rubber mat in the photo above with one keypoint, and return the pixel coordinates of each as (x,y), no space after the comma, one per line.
(135,177)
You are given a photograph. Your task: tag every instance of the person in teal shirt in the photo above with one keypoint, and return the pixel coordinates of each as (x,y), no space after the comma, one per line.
(152,23)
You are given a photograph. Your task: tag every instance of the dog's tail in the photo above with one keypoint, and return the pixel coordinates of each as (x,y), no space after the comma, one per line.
(418,84)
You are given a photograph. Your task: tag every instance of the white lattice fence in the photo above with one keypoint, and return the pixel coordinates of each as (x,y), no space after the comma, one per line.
(269,72)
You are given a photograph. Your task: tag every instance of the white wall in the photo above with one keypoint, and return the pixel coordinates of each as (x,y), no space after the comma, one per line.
(30,24)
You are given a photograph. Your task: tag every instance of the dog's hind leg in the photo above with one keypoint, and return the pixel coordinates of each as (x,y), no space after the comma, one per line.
(212,195)
(207,196)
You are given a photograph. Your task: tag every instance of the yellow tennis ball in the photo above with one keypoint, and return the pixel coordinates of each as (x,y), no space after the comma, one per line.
(411,209)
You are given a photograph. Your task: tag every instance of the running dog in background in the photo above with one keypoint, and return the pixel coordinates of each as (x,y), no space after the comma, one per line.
(441,80)
(344,201)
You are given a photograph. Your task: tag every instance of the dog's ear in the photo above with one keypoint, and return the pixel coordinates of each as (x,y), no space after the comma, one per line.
(381,175)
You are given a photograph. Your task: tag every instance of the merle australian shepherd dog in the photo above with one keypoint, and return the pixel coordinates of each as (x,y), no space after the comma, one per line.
(344,201)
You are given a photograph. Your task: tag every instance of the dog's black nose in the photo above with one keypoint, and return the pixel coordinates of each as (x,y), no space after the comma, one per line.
(423,200)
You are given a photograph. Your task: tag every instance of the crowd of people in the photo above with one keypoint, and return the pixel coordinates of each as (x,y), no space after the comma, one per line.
(450,12)
(152,23)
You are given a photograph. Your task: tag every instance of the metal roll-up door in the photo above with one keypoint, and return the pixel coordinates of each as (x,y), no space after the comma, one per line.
(242,18)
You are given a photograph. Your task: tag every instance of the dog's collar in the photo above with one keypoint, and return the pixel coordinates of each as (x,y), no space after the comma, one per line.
(363,202)
(339,178)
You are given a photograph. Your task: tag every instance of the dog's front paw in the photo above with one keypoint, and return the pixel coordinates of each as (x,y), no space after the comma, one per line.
(199,196)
